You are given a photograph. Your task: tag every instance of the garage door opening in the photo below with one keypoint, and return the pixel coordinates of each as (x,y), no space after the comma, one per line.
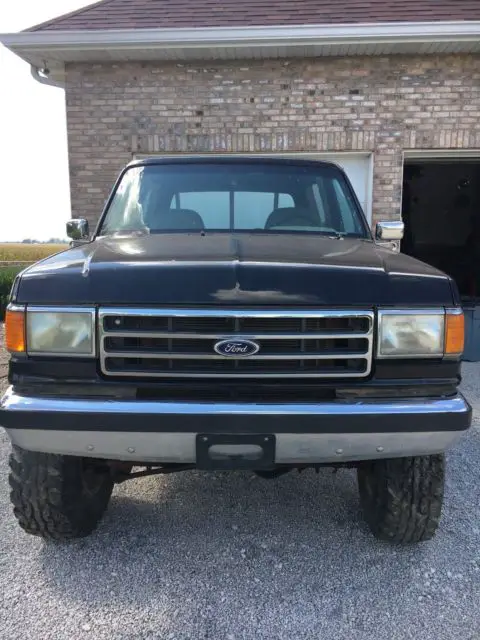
(441,211)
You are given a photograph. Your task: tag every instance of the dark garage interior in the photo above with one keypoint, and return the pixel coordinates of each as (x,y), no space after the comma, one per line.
(441,211)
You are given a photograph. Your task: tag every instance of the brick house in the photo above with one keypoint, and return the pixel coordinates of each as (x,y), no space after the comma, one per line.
(389,89)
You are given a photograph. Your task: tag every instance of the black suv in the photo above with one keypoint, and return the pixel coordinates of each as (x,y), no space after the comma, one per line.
(232,313)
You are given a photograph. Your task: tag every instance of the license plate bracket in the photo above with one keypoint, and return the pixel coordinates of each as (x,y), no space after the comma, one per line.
(219,451)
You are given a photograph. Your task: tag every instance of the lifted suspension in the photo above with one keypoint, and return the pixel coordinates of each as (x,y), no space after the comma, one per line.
(122,474)
(122,471)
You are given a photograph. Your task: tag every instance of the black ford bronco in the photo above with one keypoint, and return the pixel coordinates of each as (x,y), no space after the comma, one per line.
(231,313)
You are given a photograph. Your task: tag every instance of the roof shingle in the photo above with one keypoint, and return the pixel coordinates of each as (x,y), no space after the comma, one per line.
(151,14)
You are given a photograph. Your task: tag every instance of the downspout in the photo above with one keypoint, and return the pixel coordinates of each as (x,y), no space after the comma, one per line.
(43,76)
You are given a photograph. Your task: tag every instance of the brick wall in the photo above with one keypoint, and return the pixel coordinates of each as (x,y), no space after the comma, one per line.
(384,105)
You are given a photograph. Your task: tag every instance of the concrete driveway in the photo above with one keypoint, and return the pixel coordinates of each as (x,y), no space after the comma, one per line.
(231,556)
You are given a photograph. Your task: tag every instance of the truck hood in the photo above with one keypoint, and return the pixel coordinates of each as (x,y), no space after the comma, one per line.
(224,269)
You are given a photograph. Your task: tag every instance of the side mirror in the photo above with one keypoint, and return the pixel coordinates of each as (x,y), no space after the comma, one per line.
(77,229)
(389,230)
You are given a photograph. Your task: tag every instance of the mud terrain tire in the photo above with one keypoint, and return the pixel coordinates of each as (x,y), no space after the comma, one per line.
(57,497)
(402,498)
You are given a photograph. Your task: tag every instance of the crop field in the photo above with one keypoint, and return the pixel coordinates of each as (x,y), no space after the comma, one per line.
(15,256)
(19,252)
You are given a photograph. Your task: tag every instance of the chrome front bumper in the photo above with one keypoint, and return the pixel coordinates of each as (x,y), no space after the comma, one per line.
(161,432)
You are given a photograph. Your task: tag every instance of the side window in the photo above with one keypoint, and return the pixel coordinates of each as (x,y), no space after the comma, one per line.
(285,200)
(213,207)
(319,201)
(126,210)
(347,207)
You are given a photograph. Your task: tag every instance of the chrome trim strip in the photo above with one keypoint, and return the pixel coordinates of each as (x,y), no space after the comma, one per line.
(291,448)
(229,336)
(16,307)
(353,355)
(220,376)
(57,309)
(302,314)
(233,313)
(28,404)
(31,309)
(454,311)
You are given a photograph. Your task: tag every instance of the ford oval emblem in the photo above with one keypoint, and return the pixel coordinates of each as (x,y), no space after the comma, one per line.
(236,348)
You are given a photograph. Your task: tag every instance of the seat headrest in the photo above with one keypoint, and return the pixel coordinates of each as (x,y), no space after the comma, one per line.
(177,219)
(292,217)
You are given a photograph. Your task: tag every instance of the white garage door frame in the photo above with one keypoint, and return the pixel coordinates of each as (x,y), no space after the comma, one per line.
(362,180)
(441,154)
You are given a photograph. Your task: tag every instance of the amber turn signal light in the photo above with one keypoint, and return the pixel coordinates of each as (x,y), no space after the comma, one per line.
(15,331)
(454,333)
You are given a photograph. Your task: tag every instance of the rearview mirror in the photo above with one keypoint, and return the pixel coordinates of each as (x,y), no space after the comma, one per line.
(389,230)
(77,229)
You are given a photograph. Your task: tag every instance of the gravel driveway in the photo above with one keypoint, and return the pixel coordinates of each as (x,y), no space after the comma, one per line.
(230,556)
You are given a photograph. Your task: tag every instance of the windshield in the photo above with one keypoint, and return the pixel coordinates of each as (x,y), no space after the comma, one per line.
(237,197)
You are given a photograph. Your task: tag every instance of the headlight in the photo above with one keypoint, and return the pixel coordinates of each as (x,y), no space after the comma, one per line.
(65,332)
(409,334)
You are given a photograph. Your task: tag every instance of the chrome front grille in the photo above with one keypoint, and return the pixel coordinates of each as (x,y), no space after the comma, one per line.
(179,343)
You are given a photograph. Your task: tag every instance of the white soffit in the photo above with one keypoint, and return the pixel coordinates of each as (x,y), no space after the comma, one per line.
(54,48)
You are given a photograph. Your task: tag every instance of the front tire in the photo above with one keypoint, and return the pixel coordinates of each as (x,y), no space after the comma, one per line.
(402,498)
(57,497)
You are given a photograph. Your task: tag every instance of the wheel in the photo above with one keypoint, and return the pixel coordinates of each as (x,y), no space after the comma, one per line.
(57,497)
(402,498)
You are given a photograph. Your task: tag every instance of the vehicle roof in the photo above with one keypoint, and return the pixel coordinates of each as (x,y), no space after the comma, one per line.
(232,159)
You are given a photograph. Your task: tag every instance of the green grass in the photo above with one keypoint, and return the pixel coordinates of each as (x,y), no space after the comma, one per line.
(7,276)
